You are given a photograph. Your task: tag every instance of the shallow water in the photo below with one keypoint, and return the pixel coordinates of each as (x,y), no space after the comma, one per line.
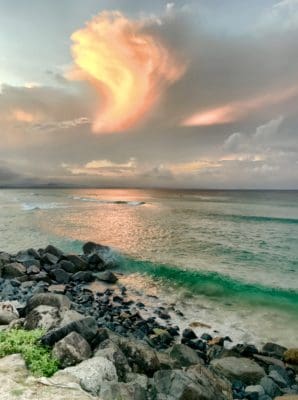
(229,258)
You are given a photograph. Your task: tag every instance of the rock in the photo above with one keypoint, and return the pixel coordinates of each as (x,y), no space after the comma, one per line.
(107,276)
(184,355)
(68,266)
(287,375)
(43,317)
(13,270)
(83,276)
(8,313)
(217,341)
(96,262)
(71,350)
(92,373)
(70,316)
(140,379)
(110,350)
(4,258)
(266,361)
(141,357)
(166,361)
(33,269)
(255,389)
(291,356)
(196,383)
(122,391)
(278,379)
(206,336)
(16,383)
(59,275)
(189,334)
(86,327)
(53,250)
(242,369)
(274,350)
(58,289)
(245,350)
(49,299)
(49,259)
(79,263)
(287,397)
(91,247)
(270,387)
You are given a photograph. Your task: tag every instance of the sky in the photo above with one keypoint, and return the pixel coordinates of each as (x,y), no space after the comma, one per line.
(174,94)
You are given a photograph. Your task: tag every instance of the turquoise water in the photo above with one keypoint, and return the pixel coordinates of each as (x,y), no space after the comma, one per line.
(217,253)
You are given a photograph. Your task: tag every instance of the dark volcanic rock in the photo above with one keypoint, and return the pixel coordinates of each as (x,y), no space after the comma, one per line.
(274,350)
(86,327)
(68,266)
(71,350)
(83,276)
(59,275)
(79,263)
(107,276)
(49,259)
(189,334)
(13,270)
(184,355)
(196,383)
(48,299)
(91,247)
(53,250)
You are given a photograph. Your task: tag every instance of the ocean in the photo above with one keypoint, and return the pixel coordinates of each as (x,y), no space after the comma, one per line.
(227,259)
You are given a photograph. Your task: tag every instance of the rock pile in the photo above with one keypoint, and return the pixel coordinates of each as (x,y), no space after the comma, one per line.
(109,350)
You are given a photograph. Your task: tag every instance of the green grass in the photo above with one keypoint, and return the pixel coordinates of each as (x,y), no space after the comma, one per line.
(37,357)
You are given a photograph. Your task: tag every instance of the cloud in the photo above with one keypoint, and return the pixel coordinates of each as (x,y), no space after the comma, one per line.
(129,68)
(236,111)
(104,168)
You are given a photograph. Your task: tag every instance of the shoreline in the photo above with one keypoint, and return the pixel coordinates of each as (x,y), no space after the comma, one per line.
(91,289)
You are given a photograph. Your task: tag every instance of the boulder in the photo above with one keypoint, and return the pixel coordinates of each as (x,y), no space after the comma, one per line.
(59,275)
(291,356)
(288,397)
(86,327)
(49,259)
(91,373)
(70,316)
(110,350)
(71,350)
(91,247)
(68,266)
(43,317)
(79,263)
(16,383)
(274,350)
(8,313)
(141,357)
(270,387)
(83,276)
(13,270)
(196,383)
(267,361)
(49,299)
(141,379)
(258,389)
(166,361)
(4,258)
(107,276)
(122,391)
(53,250)
(184,355)
(239,369)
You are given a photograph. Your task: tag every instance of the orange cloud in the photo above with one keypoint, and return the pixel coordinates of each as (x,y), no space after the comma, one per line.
(23,116)
(236,110)
(129,68)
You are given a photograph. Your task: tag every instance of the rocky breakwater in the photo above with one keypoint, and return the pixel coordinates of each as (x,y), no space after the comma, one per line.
(108,350)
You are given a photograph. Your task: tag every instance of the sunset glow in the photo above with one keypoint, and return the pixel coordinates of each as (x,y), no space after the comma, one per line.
(236,110)
(129,68)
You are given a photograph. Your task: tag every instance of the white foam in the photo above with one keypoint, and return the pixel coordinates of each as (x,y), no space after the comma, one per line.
(42,206)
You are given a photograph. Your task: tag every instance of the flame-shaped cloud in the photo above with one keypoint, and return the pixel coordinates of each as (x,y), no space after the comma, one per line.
(129,68)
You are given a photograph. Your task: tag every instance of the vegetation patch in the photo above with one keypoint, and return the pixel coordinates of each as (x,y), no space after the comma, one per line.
(38,358)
